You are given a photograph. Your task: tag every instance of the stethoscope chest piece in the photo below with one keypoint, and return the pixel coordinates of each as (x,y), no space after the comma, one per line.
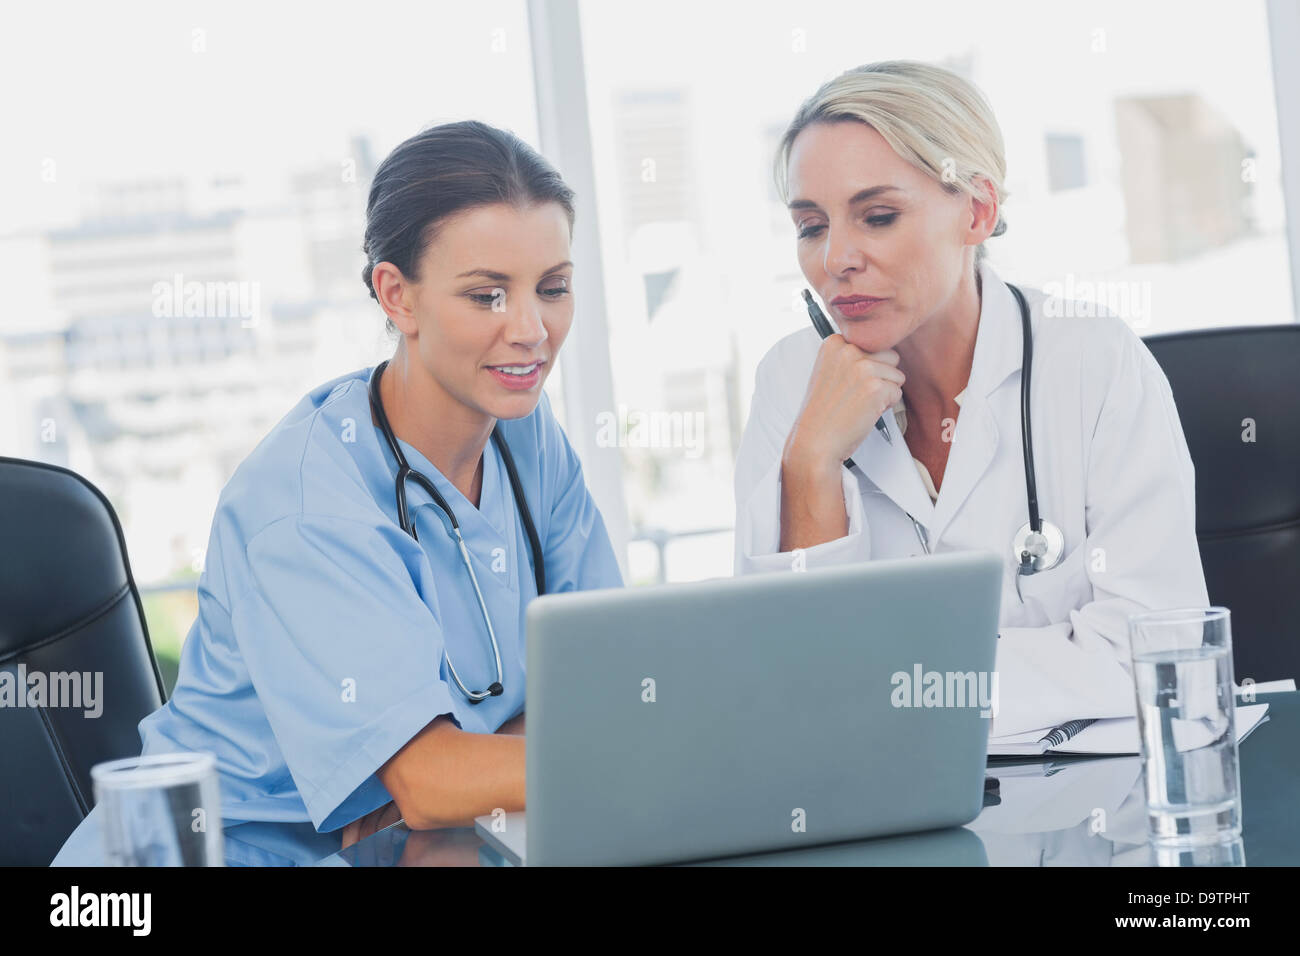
(1044,548)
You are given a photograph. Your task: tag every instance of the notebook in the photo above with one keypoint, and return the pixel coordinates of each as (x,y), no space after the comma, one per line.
(1115,736)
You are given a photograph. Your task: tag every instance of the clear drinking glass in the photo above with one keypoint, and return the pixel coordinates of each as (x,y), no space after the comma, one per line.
(1231,853)
(161,810)
(1182,669)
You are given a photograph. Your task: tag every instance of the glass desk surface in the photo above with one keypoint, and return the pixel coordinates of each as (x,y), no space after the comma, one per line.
(1052,811)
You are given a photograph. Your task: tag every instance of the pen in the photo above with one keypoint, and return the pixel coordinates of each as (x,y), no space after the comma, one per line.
(823,327)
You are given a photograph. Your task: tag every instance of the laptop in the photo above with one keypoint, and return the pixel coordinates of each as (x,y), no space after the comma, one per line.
(753,714)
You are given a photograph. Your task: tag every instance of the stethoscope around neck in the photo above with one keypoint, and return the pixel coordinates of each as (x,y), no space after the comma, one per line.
(1038,545)
(405,471)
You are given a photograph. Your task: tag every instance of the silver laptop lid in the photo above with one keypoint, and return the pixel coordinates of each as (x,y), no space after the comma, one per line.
(759,713)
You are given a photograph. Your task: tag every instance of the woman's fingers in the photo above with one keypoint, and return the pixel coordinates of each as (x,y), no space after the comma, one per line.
(370,824)
(887,356)
(885,371)
(350,834)
(848,391)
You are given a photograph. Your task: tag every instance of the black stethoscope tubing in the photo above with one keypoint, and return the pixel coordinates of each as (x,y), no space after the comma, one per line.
(1026,433)
(404,471)
(1034,549)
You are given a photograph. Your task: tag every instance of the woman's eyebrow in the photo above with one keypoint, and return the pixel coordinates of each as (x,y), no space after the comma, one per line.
(502,277)
(862,195)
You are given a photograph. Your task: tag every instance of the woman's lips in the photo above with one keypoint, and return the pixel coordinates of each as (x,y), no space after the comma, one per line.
(515,381)
(854,308)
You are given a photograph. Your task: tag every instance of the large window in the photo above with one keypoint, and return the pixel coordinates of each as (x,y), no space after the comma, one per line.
(233,145)
(158,145)
(1143,174)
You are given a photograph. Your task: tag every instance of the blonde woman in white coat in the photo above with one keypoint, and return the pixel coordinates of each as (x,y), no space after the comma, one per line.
(893,175)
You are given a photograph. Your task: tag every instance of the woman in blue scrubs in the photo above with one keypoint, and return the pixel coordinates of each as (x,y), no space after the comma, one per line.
(340,646)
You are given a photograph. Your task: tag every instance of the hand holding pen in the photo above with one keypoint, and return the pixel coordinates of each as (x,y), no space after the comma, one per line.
(847,380)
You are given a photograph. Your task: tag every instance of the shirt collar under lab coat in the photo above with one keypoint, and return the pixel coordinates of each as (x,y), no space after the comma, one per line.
(998,354)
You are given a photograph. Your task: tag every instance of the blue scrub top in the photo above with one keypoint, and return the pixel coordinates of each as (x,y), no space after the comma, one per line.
(321,642)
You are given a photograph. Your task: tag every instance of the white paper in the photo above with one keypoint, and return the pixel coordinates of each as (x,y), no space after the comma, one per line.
(1119,736)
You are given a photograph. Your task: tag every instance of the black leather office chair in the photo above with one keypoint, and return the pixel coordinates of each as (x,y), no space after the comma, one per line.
(67,604)
(1247,493)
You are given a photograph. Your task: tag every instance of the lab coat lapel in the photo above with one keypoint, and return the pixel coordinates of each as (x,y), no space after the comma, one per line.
(998,354)
(974,444)
(891,469)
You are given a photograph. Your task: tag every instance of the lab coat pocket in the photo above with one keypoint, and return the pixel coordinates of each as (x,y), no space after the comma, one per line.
(1061,589)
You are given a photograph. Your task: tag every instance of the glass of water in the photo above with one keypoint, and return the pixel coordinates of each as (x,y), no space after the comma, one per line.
(1182,669)
(160,810)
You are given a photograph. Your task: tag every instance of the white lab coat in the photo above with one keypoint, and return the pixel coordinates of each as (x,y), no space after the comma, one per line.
(1114,475)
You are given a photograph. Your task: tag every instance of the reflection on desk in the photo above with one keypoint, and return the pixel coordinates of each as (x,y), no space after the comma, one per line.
(1058,811)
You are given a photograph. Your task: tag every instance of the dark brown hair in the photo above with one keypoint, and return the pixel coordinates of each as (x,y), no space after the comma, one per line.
(440,172)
